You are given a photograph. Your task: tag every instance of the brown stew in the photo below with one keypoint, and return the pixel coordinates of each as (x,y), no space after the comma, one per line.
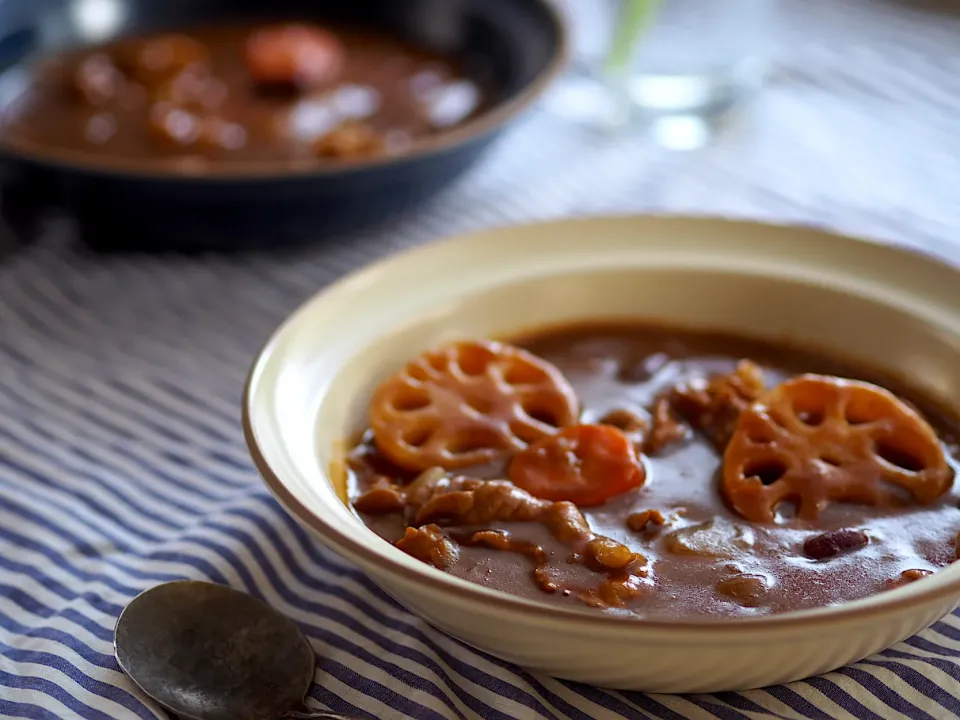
(293,93)
(658,472)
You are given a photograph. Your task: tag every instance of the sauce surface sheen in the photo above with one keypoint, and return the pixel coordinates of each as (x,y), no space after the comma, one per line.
(702,545)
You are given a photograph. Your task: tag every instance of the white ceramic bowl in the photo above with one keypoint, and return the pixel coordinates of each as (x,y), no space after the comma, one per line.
(308,390)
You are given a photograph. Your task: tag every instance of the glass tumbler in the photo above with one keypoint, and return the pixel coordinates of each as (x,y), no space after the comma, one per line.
(662,58)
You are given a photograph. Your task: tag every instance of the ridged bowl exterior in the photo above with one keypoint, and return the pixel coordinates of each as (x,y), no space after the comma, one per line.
(658,662)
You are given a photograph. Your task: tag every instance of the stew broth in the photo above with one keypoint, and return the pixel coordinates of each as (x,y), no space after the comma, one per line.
(294,94)
(693,553)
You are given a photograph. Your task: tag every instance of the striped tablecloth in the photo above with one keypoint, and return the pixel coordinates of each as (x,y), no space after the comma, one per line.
(121,458)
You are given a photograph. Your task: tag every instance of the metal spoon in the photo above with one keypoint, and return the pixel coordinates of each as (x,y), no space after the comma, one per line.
(207,652)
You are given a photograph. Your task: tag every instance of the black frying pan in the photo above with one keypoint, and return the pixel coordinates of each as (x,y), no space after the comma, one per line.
(520,43)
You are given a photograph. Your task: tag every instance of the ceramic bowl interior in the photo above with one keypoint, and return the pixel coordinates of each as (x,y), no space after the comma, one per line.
(308,391)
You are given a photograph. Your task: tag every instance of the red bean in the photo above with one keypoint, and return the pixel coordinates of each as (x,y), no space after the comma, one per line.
(835,542)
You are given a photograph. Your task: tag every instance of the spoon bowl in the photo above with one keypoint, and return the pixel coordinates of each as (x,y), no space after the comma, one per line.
(207,652)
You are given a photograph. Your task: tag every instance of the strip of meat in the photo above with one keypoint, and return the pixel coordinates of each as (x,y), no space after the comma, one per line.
(428,544)
(665,430)
(502,541)
(435,498)
(713,405)
(650,437)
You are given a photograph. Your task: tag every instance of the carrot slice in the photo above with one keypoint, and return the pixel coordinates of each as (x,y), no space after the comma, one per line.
(584,464)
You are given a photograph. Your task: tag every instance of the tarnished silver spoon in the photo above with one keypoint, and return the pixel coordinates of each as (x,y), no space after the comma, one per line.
(207,652)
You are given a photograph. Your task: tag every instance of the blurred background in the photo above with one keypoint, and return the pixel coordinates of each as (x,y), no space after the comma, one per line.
(844,117)
(834,113)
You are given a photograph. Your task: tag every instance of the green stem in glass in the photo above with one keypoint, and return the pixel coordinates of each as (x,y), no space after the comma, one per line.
(633,21)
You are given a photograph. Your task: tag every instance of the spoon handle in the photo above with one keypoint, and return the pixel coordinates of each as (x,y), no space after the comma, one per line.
(315,715)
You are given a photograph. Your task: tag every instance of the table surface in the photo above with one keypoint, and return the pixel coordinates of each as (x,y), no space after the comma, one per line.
(121,457)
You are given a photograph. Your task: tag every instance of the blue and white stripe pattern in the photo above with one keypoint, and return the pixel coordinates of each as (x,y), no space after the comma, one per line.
(121,458)
(122,465)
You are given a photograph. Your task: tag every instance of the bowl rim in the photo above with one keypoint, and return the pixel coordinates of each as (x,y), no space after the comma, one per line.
(172,171)
(877,604)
